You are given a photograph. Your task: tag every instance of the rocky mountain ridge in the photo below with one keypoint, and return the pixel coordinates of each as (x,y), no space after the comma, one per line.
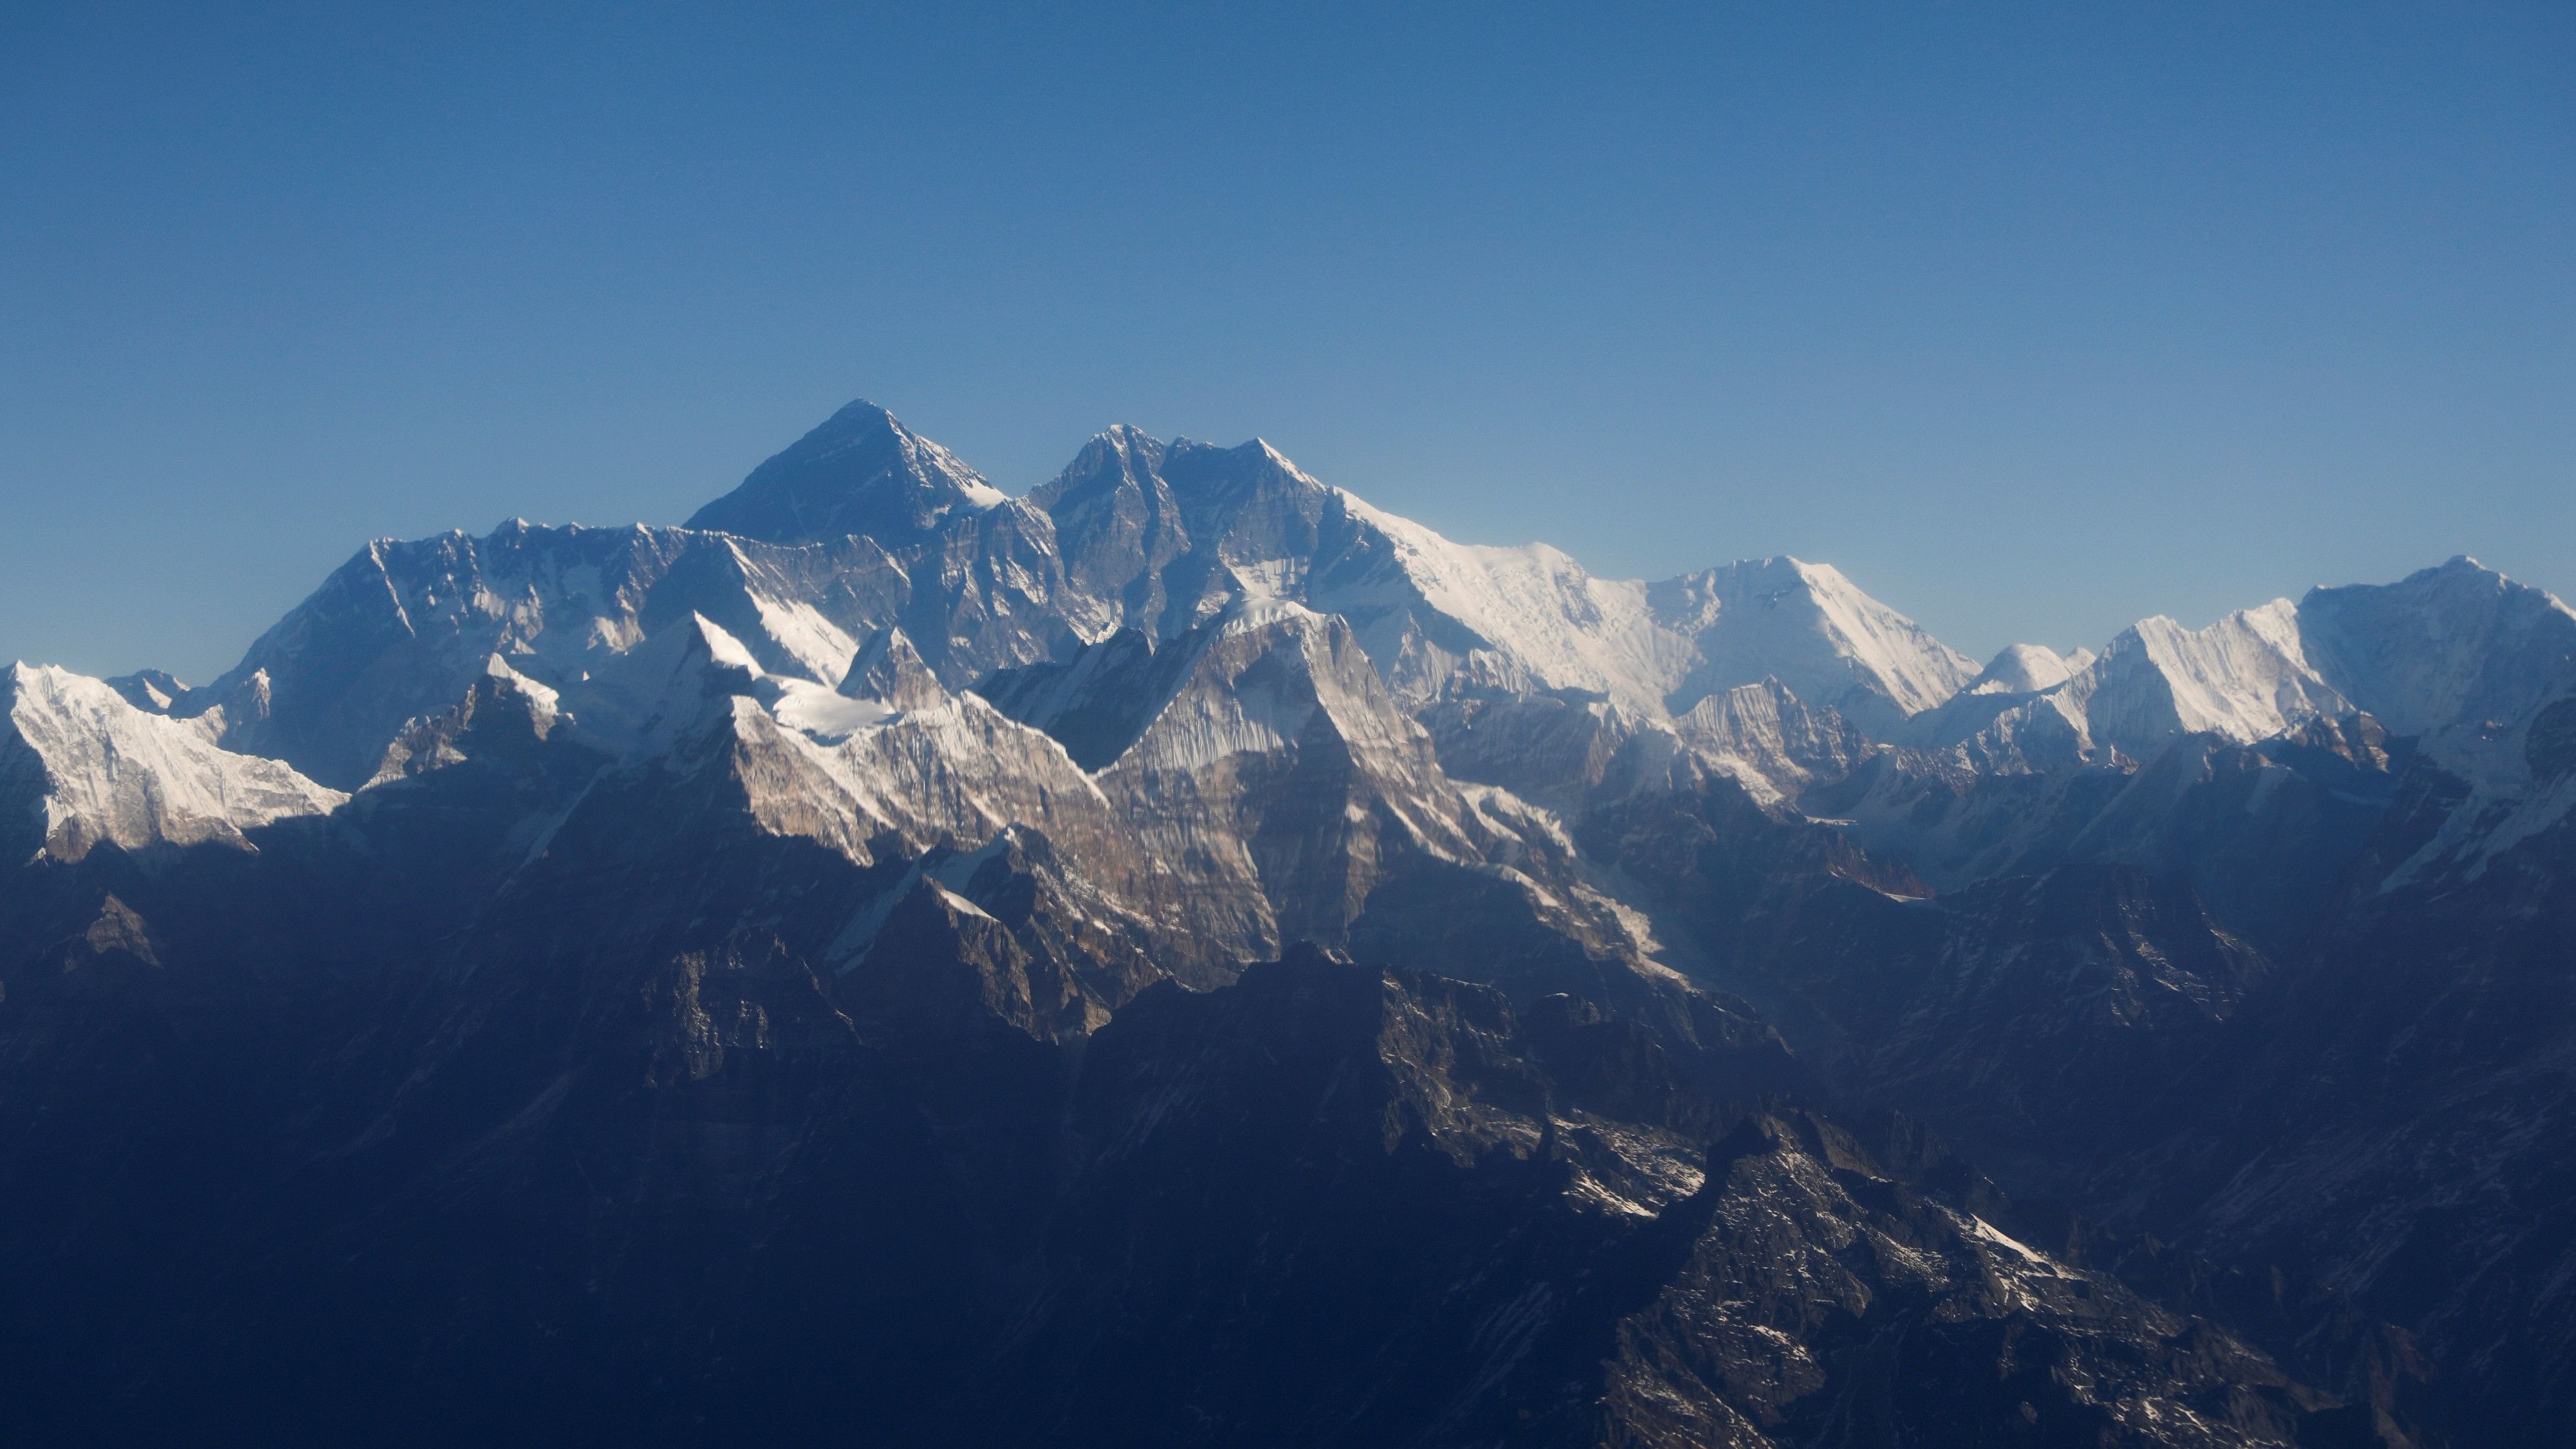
(1187,914)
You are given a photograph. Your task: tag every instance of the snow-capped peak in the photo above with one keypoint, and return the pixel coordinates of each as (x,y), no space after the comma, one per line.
(2028,669)
(2459,656)
(81,766)
(1118,458)
(663,692)
(859,472)
(1811,628)
(2443,648)
(1169,533)
(2246,676)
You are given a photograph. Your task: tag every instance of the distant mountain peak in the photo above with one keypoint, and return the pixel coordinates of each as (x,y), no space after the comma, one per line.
(1121,455)
(1197,466)
(2027,669)
(153,691)
(1813,629)
(861,471)
(2444,649)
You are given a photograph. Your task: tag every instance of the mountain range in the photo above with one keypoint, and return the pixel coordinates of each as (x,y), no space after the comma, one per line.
(1187,957)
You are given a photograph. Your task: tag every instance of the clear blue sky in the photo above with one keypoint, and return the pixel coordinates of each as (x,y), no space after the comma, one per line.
(2034,320)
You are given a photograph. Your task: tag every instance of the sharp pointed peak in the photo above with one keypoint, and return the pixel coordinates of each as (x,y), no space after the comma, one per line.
(857,422)
(887,667)
(1271,452)
(863,412)
(860,471)
(701,635)
(1116,456)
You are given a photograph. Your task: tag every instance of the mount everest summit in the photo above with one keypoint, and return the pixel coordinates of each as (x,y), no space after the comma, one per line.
(1188,957)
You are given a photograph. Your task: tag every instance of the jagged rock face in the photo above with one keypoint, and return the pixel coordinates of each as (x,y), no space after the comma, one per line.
(904,1208)
(864,526)
(1774,742)
(1260,763)
(1800,1259)
(403,630)
(1120,526)
(988,592)
(2110,1039)
(504,712)
(1700,1276)
(1097,703)
(1278,759)
(692,718)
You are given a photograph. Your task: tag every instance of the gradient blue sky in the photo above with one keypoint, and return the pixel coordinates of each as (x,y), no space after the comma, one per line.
(2034,320)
